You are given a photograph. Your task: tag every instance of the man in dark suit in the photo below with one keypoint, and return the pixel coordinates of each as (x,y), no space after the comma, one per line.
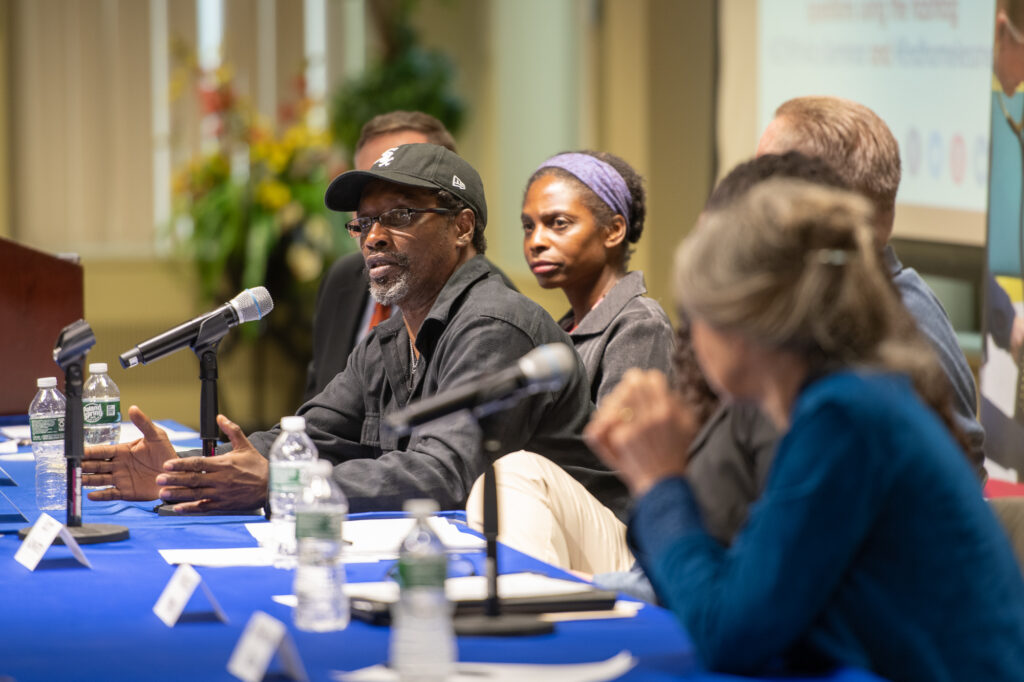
(345,312)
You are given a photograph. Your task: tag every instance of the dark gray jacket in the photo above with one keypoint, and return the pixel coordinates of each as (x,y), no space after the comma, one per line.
(477,326)
(728,465)
(625,330)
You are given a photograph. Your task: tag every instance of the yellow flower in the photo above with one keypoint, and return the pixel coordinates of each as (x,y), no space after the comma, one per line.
(277,158)
(304,262)
(224,73)
(318,231)
(178,85)
(290,214)
(259,150)
(296,137)
(217,165)
(321,138)
(179,183)
(273,194)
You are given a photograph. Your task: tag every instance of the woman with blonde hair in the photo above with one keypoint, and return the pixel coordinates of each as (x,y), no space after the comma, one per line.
(870,545)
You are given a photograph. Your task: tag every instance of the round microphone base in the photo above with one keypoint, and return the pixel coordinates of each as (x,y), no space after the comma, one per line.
(167,509)
(504,625)
(88,533)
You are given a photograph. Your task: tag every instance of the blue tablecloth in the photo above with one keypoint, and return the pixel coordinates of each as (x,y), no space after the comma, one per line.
(67,622)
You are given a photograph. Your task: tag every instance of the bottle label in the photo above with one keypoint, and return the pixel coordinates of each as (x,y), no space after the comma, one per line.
(428,571)
(286,477)
(319,525)
(47,428)
(102,412)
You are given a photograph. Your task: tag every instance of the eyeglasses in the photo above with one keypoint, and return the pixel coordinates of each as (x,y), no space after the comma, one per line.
(396,217)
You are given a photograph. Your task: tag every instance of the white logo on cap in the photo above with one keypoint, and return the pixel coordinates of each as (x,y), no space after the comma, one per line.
(458,183)
(386,158)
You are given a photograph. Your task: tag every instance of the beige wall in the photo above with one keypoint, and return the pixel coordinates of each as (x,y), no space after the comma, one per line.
(79,106)
(5,177)
(680,128)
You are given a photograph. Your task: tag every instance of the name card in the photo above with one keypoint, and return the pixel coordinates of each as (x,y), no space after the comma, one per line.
(39,539)
(179,591)
(264,636)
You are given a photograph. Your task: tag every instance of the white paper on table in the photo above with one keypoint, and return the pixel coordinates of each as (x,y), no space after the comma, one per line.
(18,432)
(181,435)
(130,432)
(17,457)
(234,556)
(372,540)
(610,669)
(474,587)
(264,534)
(8,447)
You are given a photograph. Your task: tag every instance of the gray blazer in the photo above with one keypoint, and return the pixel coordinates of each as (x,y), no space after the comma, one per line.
(625,330)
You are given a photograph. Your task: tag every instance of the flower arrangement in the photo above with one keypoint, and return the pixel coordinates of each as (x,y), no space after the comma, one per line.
(248,210)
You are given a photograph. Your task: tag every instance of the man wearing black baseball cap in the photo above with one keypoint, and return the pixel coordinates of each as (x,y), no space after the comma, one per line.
(419,217)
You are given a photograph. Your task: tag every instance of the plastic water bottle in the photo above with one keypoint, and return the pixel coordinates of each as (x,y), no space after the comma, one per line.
(46,417)
(422,639)
(320,575)
(291,453)
(101,407)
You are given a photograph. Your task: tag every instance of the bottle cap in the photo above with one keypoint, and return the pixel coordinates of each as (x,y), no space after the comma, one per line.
(420,507)
(46,382)
(293,423)
(97,368)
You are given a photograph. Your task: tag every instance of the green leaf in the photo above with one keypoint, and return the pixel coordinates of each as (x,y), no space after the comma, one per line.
(260,242)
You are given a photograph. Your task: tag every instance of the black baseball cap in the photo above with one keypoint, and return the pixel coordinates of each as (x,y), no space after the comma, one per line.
(424,165)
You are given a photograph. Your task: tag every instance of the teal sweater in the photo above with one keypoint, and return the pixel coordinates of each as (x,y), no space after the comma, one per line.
(870,547)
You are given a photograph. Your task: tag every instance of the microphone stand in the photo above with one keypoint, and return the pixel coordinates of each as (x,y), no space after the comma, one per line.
(494,623)
(74,342)
(211,332)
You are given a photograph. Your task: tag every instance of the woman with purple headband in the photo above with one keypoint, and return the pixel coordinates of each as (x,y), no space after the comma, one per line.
(581,212)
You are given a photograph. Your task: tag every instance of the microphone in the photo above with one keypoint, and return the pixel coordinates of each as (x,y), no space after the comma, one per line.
(250,304)
(545,368)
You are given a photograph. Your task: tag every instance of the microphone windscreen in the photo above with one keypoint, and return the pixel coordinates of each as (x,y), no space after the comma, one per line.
(551,365)
(252,304)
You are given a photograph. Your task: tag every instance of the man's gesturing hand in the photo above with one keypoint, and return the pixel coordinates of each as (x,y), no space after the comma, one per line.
(130,468)
(233,481)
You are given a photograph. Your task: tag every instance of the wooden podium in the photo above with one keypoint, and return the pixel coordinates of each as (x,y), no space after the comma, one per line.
(40,294)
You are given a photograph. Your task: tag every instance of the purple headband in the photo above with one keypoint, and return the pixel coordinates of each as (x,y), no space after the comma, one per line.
(601,177)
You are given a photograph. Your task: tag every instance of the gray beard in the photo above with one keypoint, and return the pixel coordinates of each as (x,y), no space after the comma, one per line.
(391,293)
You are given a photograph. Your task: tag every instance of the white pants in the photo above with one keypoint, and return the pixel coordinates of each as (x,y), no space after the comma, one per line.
(546,513)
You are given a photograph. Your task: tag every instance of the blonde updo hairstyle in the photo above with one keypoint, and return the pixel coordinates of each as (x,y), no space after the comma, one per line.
(794,266)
